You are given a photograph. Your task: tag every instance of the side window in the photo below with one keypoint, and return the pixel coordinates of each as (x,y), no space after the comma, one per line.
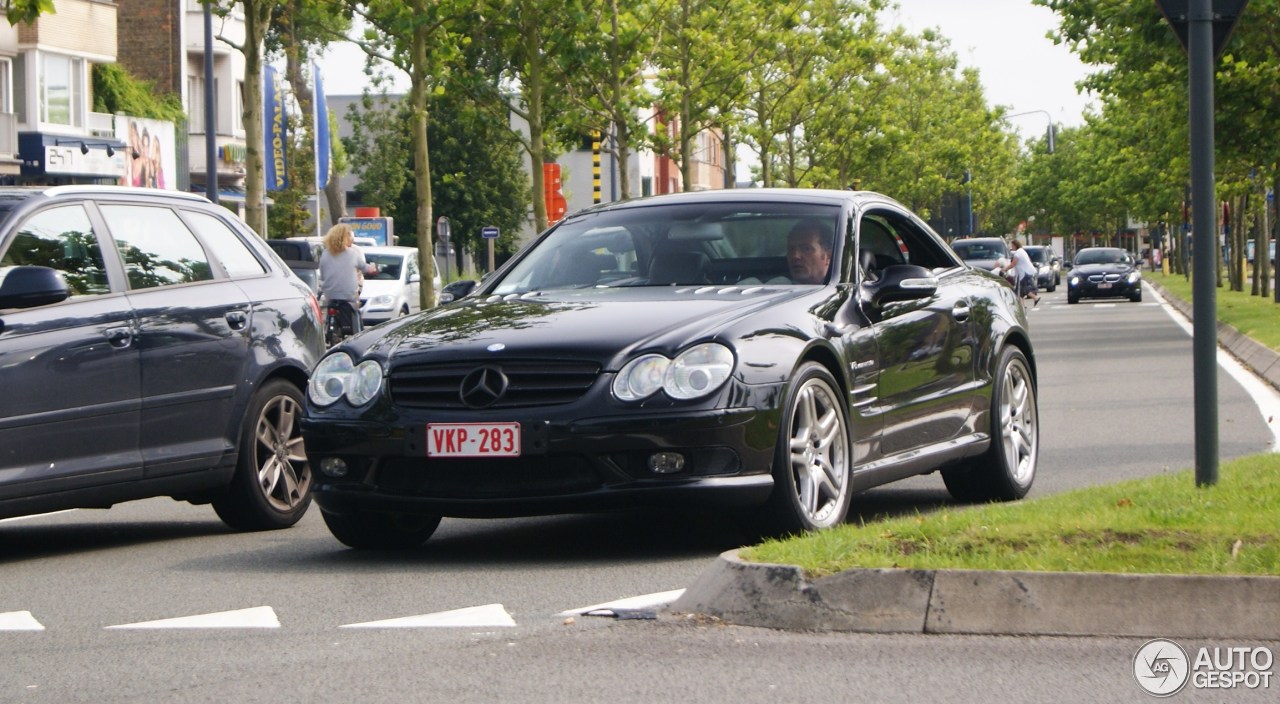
(913,243)
(228,248)
(61,238)
(156,247)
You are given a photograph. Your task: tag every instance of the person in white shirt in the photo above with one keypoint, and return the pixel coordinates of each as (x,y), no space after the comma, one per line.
(1024,271)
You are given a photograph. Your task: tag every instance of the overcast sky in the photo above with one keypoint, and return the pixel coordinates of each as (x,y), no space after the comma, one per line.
(1004,39)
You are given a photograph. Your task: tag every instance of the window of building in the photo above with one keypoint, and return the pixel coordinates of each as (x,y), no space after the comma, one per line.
(195,103)
(61,88)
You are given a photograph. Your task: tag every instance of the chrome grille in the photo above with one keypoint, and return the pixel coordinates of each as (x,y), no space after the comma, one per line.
(1099,278)
(529,383)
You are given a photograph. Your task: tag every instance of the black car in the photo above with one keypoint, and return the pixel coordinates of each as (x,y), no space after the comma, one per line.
(1048,266)
(302,258)
(1104,272)
(660,352)
(982,252)
(150,345)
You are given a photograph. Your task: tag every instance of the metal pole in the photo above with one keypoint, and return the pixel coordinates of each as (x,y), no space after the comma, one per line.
(210,117)
(1203,231)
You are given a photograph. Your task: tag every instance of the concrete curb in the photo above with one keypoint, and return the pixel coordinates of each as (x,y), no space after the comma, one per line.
(985,602)
(1262,360)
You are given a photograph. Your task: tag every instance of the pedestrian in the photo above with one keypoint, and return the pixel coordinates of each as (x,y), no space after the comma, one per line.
(1024,271)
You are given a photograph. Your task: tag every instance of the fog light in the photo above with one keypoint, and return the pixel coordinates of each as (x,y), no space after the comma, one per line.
(666,462)
(335,467)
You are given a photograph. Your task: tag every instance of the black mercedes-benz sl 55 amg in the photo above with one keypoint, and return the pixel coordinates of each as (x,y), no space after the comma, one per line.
(768,351)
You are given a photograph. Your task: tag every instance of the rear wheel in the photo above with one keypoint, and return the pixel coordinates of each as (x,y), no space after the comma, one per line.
(367,530)
(812,466)
(272,483)
(1007,469)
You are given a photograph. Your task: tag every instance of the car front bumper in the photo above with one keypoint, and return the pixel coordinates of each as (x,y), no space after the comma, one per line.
(580,465)
(1104,289)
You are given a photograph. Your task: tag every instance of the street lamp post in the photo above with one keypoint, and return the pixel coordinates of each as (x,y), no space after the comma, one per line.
(1049,133)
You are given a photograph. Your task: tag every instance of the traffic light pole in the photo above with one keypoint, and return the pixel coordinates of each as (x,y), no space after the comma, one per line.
(1200,50)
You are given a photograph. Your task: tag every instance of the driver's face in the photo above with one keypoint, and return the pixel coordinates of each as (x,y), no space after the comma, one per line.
(807,258)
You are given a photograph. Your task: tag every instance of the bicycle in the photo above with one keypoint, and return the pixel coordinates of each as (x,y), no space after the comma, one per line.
(338,327)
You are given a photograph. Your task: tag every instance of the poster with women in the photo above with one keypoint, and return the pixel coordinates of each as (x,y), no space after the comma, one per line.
(149,152)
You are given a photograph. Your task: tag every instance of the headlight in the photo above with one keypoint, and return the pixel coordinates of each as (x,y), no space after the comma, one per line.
(381,300)
(694,373)
(1134,276)
(337,376)
(1074,281)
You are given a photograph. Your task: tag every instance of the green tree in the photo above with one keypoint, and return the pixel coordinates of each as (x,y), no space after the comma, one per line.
(19,11)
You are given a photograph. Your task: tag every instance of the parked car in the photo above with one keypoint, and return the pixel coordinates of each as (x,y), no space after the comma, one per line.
(630,356)
(393,291)
(1250,245)
(302,258)
(1048,266)
(457,289)
(150,345)
(1104,272)
(981,252)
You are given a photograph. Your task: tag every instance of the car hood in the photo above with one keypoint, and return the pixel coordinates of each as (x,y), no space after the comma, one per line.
(987,264)
(603,325)
(1087,269)
(374,287)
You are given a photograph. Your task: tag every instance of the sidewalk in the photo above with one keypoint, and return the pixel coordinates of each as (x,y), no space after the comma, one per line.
(999,602)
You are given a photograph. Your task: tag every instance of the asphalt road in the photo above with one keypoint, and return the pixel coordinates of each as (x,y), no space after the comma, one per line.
(1115,402)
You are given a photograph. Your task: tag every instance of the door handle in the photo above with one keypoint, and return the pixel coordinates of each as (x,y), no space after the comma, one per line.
(237,319)
(119,338)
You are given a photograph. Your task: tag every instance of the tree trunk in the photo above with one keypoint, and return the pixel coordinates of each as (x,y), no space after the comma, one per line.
(256,15)
(421,165)
(537,143)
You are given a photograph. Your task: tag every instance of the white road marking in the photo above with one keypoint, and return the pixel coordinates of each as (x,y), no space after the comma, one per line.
(636,602)
(488,616)
(19,621)
(258,617)
(1262,393)
(38,515)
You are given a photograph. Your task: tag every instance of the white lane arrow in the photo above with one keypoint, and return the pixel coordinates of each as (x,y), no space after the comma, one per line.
(644,601)
(488,616)
(257,617)
(19,621)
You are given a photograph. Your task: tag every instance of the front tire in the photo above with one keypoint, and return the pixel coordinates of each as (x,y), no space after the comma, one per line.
(367,530)
(271,487)
(813,462)
(1007,469)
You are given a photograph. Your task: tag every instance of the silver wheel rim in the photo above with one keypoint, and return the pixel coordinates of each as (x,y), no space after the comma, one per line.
(284,477)
(819,460)
(1018,433)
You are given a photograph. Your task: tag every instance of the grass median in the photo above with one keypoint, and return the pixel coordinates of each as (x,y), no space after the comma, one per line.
(1160,525)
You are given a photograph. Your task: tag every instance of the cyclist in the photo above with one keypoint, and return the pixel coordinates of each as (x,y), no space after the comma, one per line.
(342,267)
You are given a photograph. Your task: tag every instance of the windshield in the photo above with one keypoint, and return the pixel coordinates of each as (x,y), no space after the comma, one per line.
(1038,255)
(980,250)
(728,244)
(1102,256)
(389,266)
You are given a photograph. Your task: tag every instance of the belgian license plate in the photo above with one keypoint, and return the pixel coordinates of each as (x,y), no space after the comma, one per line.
(473,440)
(1104,285)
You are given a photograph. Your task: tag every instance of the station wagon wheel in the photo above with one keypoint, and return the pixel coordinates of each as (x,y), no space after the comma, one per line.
(271,487)
(367,530)
(1007,469)
(812,464)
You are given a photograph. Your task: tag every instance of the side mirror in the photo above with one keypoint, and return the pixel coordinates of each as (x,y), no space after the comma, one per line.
(31,286)
(900,282)
(414,278)
(446,298)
